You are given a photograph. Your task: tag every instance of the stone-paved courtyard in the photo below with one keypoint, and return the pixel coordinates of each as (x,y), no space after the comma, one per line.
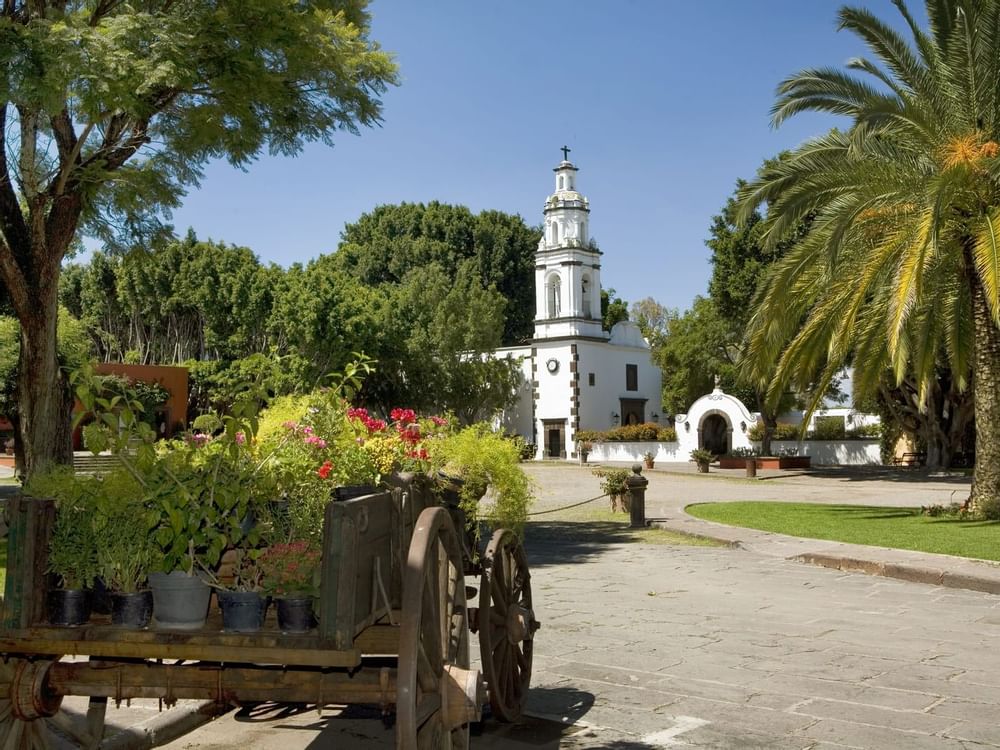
(647,643)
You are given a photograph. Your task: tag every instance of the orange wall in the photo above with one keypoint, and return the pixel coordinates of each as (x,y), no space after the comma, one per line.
(174,379)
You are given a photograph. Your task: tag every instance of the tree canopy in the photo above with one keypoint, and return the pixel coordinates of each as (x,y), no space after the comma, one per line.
(108,112)
(901,265)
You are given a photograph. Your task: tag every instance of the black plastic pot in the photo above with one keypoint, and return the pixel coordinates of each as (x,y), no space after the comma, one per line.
(68,606)
(242,611)
(295,614)
(132,610)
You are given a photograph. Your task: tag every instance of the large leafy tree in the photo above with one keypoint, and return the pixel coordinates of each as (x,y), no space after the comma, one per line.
(110,109)
(902,262)
(385,244)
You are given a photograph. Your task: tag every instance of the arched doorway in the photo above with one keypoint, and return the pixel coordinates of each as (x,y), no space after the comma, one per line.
(714,434)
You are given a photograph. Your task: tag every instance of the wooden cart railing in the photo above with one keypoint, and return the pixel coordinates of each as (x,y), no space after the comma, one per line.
(392,587)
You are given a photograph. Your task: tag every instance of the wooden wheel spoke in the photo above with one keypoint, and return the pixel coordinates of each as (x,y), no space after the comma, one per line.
(507,665)
(427,672)
(41,736)
(498,596)
(433,634)
(429,735)
(67,726)
(14,735)
(427,707)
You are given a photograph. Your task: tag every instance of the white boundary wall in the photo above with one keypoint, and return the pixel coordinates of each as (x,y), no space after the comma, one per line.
(823,452)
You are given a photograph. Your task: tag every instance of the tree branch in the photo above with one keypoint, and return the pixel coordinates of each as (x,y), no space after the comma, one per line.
(12,224)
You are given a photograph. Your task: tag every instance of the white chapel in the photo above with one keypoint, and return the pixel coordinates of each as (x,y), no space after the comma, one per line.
(576,376)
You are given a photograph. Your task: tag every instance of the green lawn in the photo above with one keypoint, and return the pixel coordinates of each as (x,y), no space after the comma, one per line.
(901,528)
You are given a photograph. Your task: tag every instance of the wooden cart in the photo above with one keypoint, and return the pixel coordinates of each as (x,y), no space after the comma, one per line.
(393,631)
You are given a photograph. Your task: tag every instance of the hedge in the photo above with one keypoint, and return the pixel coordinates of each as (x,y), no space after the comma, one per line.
(633,433)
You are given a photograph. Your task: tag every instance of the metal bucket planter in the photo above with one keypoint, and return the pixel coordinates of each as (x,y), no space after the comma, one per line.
(242,611)
(295,614)
(133,610)
(180,601)
(68,606)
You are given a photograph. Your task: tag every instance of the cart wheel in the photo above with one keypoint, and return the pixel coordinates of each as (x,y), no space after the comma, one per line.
(507,624)
(438,695)
(32,717)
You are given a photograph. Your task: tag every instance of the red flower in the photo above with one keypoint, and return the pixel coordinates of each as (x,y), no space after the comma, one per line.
(403,416)
(324,470)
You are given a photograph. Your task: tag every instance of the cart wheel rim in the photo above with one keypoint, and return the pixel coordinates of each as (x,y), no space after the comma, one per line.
(437,692)
(506,625)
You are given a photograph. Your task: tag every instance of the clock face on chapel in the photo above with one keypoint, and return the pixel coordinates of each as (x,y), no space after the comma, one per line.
(553,365)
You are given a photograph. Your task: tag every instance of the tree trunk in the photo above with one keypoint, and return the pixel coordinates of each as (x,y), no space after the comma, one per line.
(44,402)
(770,419)
(985,495)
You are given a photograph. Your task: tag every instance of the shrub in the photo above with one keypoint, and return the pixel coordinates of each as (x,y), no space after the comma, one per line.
(864,432)
(743,452)
(828,428)
(782,431)
(666,435)
(630,433)
(702,456)
(614,482)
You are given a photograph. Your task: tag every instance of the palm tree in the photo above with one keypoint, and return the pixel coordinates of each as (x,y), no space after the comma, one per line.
(901,267)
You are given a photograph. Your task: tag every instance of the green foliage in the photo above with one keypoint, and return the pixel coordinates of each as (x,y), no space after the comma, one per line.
(118,106)
(482,459)
(828,428)
(72,550)
(291,569)
(122,524)
(633,433)
(613,309)
(385,245)
(73,351)
(783,431)
(614,482)
(899,528)
(864,432)
(702,457)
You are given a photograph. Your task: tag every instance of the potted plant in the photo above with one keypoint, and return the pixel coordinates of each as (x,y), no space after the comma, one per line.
(583,448)
(125,550)
(614,484)
(72,553)
(702,458)
(485,460)
(291,576)
(648,459)
(242,603)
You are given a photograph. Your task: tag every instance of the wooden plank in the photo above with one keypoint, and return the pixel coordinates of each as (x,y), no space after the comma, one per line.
(223,684)
(379,640)
(357,551)
(58,642)
(30,526)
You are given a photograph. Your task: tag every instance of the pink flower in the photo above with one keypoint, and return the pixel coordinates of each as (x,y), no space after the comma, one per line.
(241,438)
(439,421)
(289,425)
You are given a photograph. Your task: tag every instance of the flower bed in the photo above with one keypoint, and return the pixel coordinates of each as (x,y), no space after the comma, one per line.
(766,462)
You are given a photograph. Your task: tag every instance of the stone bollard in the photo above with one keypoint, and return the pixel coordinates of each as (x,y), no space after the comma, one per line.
(637,484)
(752,467)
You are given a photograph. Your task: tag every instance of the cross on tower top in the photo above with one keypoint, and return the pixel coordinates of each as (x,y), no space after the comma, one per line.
(565,150)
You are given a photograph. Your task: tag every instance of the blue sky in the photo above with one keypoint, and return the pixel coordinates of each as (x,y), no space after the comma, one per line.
(664,104)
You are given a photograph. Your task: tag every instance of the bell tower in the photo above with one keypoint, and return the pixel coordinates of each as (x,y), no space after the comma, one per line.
(567,264)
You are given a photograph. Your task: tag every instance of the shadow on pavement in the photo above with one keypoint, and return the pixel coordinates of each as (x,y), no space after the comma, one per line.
(559,542)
